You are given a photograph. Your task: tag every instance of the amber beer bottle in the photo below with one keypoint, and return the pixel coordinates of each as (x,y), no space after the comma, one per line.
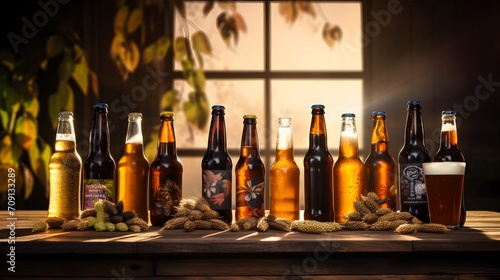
(65,172)
(318,171)
(133,170)
(380,166)
(250,173)
(99,167)
(284,176)
(165,174)
(448,150)
(217,167)
(412,192)
(348,171)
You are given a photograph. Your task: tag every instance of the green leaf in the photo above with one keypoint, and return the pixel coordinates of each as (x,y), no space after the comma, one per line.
(55,45)
(196,109)
(81,75)
(134,20)
(7,59)
(156,52)
(197,80)
(4,116)
(66,67)
(32,106)
(169,100)
(180,48)
(43,163)
(33,154)
(25,131)
(66,95)
(201,43)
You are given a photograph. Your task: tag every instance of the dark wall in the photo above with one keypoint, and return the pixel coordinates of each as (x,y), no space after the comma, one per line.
(446,54)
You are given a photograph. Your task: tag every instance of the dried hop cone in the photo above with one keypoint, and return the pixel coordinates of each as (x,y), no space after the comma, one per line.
(55,222)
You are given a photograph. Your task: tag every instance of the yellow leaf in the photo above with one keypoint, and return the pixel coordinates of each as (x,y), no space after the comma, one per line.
(288,10)
(6,151)
(25,132)
(32,106)
(169,100)
(306,7)
(55,44)
(120,17)
(156,52)
(180,48)
(135,20)
(201,43)
(130,56)
(4,117)
(117,46)
(81,75)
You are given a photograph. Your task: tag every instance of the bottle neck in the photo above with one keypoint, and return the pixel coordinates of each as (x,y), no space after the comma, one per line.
(414,132)
(166,138)
(449,136)
(99,136)
(217,136)
(284,143)
(250,140)
(348,139)
(317,135)
(134,132)
(380,139)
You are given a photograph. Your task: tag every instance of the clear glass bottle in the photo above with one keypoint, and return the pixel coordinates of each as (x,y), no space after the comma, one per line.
(133,170)
(411,190)
(99,167)
(284,176)
(165,174)
(318,171)
(348,171)
(217,167)
(65,172)
(448,149)
(380,165)
(250,173)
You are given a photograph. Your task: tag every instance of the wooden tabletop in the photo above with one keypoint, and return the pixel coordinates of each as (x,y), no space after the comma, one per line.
(480,236)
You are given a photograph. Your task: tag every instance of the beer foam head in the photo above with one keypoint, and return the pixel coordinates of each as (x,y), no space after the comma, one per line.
(448,127)
(137,138)
(444,168)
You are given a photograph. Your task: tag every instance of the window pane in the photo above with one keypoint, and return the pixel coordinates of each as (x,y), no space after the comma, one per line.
(294,98)
(300,46)
(246,54)
(239,97)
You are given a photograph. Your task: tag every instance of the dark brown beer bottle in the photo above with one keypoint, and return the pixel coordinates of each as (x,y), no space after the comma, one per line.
(318,171)
(133,170)
(165,174)
(284,176)
(412,192)
(348,171)
(380,166)
(99,167)
(217,167)
(250,173)
(65,172)
(448,150)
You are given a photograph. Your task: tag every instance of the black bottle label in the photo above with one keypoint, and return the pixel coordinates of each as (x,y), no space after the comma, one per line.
(217,188)
(412,183)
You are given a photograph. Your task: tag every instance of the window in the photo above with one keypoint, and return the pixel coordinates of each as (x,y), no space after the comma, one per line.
(277,68)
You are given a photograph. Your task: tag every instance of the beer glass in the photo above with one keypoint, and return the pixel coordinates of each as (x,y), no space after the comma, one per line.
(445,183)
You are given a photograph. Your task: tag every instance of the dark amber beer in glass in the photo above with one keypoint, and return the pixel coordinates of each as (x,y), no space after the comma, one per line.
(284,177)
(165,174)
(318,171)
(133,170)
(217,168)
(444,182)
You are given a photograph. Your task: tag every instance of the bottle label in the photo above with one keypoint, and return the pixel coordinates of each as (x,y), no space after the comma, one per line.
(166,198)
(412,184)
(95,190)
(217,188)
(252,196)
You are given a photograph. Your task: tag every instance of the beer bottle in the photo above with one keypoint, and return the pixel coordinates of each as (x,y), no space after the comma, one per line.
(284,176)
(318,171)
(348,171)
(411,190)
(99,167)
(250,173)
(133,170)
(448,150)
(65,172)
(217,167)
(380,166)
(165,174)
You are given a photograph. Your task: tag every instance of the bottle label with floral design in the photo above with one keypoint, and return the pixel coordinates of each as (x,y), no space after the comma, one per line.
(412,183)
(166,198)
(217,188)
(95,190)
(251,197)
